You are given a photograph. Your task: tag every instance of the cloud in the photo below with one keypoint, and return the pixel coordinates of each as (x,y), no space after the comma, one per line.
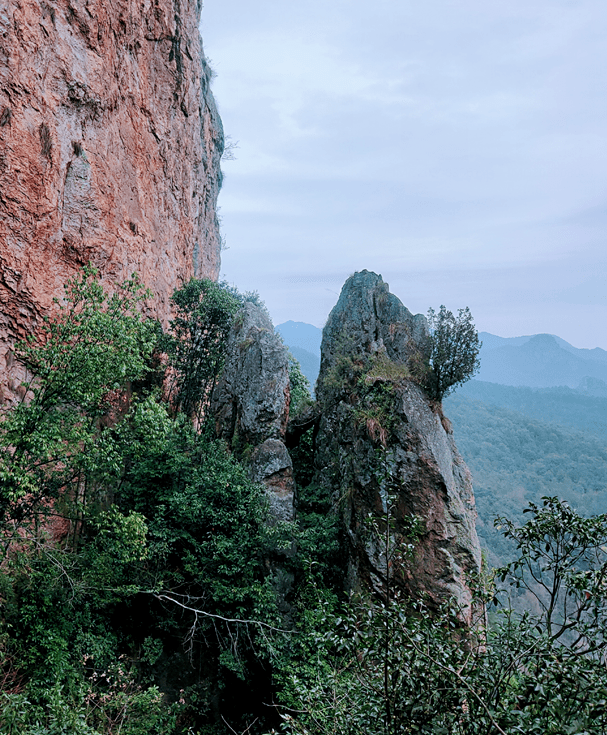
(406,136)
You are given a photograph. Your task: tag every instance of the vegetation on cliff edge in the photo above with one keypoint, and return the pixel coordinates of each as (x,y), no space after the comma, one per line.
(137,584)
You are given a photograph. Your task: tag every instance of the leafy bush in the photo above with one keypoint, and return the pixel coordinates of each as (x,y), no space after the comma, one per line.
(454,351)
(79,371)
(196,341)
(299,386)
(135,546)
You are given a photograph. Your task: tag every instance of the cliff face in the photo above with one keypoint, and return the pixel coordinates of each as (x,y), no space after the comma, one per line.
(109,151)
(381,443)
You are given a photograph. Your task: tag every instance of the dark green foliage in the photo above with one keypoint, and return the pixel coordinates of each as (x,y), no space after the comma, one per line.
(196,341)
(302,456)
(372,674)
(205,522)
(392,668)
(570,409)
(454,351)
(318,541)
(80,369)
(299,387)
(137,587)
(157,572)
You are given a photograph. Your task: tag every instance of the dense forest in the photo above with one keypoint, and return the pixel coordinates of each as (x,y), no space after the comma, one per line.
(515,460)
(570,408)
(140,584)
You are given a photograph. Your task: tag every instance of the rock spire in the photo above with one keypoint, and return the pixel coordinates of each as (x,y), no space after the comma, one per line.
(381,442)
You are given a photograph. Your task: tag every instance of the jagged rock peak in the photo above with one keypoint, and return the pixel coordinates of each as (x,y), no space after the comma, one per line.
(369,320)
(381,441)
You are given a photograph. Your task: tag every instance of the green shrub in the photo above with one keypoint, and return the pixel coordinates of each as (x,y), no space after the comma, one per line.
(195,343)
(132,538)
(391,667)
(454,351)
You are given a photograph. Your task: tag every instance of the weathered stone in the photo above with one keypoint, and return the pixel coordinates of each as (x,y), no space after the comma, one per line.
(271,465)
(251,405)
(367,320)
(251,400)
(380,436)
(109,152)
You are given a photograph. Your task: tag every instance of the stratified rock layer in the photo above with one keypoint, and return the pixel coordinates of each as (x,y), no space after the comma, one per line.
(251,405)
(109,151)
(381,442)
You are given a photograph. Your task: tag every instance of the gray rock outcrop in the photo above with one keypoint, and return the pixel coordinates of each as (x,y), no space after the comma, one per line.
(251,405)
(382,442)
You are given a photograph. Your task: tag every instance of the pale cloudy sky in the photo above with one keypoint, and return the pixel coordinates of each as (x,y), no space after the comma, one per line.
(457,147)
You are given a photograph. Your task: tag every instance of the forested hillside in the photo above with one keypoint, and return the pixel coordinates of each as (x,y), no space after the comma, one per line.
(515,459)
(570,408)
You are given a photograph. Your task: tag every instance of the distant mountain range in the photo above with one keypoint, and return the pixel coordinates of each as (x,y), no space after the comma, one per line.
(539,361)
(303,340)
(535,361)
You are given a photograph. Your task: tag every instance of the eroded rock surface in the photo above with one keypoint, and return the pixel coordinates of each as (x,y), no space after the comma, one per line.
(271,464)
(381,441)
(251,405)
(109,151)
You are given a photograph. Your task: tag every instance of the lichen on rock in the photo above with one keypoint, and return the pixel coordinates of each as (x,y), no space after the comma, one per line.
(251,404)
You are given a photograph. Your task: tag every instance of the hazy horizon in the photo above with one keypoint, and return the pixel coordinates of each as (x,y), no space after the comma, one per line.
(456,148)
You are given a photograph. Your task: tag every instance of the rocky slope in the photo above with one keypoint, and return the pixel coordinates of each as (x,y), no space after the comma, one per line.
(109,151)
(382,444)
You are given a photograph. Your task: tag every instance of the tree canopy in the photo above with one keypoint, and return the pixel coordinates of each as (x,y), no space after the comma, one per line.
(454,351)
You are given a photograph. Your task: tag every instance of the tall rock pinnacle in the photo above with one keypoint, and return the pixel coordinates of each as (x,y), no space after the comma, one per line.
(381,442)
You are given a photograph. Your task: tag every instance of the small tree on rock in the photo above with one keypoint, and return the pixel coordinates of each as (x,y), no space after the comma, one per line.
(454,351)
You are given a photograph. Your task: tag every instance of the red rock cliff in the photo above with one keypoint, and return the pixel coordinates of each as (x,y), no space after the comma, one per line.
(109,150)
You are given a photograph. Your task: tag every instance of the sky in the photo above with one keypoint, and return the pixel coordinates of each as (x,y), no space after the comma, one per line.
(456,147)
